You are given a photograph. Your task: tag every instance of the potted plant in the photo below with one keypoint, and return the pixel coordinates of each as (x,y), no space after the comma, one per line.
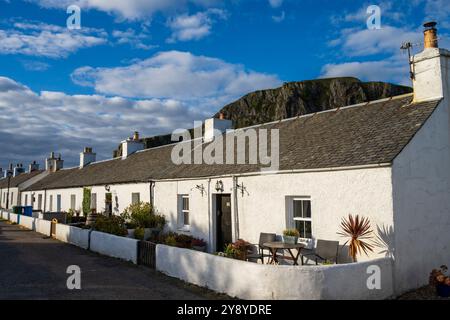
(441,281)
(198,245)
(291,236)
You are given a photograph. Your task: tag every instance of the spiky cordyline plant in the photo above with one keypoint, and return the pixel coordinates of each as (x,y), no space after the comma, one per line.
(358,230)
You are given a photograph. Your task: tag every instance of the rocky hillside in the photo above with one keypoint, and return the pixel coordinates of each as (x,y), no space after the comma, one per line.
(297,98)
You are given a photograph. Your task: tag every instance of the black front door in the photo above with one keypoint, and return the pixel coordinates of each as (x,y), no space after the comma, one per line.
(224,225)
(108,204)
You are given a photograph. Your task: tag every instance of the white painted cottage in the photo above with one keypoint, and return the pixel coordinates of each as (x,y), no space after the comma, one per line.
(388,160)
(10,189)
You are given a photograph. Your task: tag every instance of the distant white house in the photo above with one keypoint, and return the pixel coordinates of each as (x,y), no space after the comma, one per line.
(11,188)
(388,160)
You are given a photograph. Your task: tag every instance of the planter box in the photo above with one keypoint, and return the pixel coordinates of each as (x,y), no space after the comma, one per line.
(290,239)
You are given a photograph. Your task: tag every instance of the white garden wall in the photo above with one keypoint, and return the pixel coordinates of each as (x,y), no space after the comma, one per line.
(253,281)
(114,246)
(73,235)
(43,226)
(28,222)
(13,217)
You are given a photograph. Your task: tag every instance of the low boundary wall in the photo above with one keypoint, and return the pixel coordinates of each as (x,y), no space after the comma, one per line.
(265,282)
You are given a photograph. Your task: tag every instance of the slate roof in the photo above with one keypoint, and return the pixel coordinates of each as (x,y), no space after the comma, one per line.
(366,134)
(21,178)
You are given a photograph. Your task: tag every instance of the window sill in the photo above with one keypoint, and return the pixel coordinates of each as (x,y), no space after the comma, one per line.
(186,229)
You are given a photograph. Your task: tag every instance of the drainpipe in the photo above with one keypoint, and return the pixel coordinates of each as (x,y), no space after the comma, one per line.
(211,227)
(45,201)
(152,193)
(235,207)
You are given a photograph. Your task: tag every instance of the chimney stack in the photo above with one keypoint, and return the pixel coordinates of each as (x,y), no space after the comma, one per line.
(87,157)
(131,145)
(54,163)
(216,126)
(431,69)
(430,35)
(33,167)
(18,170)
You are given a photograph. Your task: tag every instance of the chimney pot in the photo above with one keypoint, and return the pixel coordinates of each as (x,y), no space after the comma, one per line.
(221,116)
(136,136)
(430,35)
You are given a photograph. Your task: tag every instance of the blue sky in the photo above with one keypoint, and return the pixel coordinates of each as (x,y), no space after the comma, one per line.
(158,65)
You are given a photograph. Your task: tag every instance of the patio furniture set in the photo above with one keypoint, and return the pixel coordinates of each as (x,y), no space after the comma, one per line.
(325,251)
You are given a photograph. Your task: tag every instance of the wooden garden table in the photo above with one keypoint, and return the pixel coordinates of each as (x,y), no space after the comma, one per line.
(274,247)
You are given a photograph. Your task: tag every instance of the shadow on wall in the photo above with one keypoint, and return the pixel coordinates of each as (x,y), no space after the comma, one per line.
(385,241)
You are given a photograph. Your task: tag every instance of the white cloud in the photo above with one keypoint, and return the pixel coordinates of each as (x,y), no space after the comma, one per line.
(127,9)
(44,40)
(176,75)
(35,65)
(276,3)
(390,70)
(33,124)
(130,37)
(279,18)
(357,42)
(193,27)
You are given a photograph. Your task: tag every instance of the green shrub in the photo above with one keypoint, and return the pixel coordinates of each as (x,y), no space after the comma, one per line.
(170,241)
(139,233)
(113,225)
(86,201)
(291,233)
(141,215)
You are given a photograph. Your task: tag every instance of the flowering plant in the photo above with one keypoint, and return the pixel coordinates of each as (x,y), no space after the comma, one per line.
(439,277)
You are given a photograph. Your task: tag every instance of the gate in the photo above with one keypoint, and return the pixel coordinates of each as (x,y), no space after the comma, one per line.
(147,254)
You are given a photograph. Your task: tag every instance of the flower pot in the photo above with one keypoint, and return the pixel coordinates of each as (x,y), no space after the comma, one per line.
(443,290)
(290,239)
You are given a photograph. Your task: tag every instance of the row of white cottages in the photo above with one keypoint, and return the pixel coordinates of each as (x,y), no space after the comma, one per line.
(388,160)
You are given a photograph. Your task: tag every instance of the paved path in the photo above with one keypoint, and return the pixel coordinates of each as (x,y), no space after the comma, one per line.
(33,267)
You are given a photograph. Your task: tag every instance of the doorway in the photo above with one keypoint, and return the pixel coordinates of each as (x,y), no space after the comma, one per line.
(108,204)
(223,222)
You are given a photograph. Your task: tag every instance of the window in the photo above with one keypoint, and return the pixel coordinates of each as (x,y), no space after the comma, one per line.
(183,217)
(40,202)
(58,203)
(135,198)
(26,200)
(73,202)
(51,203)
(94,201)
(300,216)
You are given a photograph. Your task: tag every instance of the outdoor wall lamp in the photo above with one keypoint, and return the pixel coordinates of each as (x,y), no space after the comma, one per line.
(219,186)
(108,188)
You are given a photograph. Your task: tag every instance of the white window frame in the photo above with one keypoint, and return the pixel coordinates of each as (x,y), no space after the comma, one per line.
(291,219)
(138,196)
(181,212)
(73,202)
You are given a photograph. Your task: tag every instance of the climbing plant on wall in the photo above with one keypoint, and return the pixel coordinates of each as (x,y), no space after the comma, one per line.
(86,201)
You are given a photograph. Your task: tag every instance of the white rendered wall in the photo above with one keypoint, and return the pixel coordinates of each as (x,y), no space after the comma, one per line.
(262,208)
(121,194)
(421,180)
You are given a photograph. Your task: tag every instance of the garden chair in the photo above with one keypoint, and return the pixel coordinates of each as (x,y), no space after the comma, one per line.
(259,254)
(325,251)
